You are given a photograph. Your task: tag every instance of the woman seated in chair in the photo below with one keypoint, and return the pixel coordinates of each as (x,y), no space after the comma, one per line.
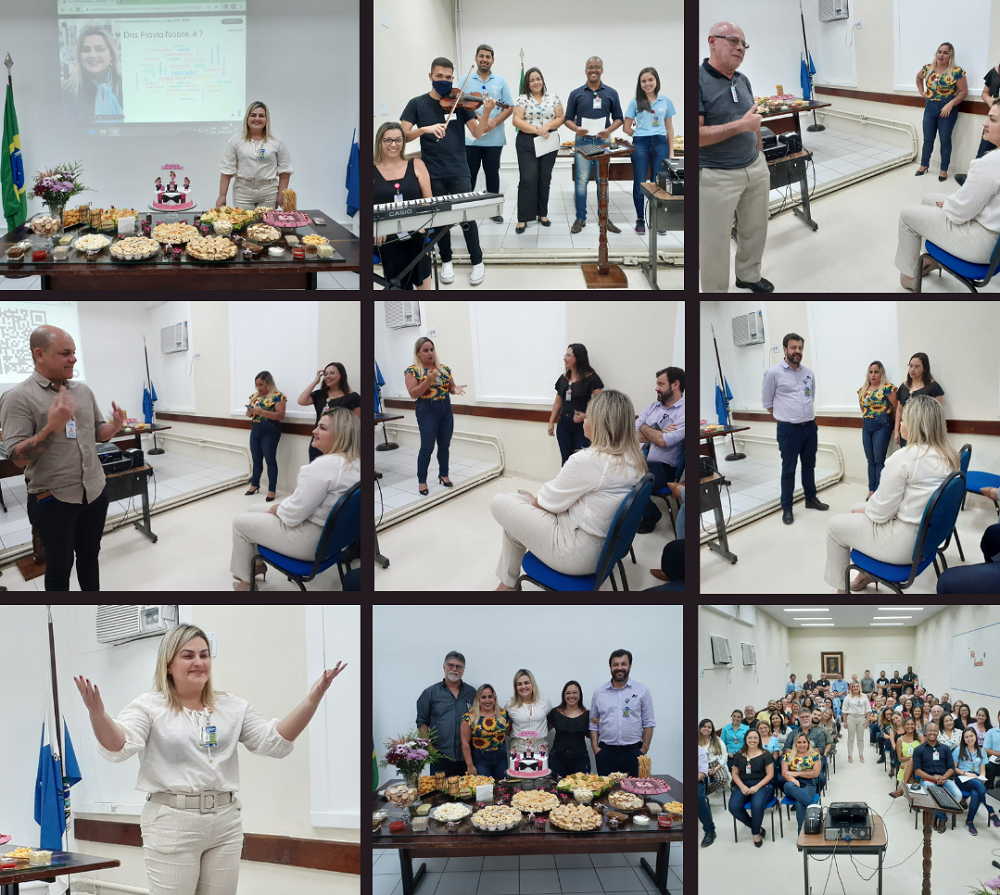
(981,578)
(965,224)
(800,769)
(294,526)
(886,527)
(567,525)
(753,785)
(718,757)
(905,746)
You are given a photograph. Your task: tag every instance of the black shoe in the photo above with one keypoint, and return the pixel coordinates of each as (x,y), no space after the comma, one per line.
(763,834)
(268,499)
(942,180)
(497,219)
(545,223)
(919,173)
(960,179)
(423,491)
(787,517)
(881,760)
(817,504)
(521,229)
(252,491)
(761,285)
(708,840)
(759,844)
(446,484)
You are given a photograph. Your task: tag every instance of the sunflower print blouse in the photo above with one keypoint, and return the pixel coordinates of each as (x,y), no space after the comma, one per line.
(267,404)
(805,762)
(437,392)
(876,404)
(489,734)
(941,87)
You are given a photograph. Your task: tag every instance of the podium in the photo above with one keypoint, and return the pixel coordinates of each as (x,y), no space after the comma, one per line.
(603,275)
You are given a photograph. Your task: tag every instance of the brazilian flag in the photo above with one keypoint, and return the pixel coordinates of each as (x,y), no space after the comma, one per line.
(374,767)
(15,199)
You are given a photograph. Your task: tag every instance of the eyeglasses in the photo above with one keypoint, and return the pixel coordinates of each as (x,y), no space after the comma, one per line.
(735,41)
(390,141)
(455,667)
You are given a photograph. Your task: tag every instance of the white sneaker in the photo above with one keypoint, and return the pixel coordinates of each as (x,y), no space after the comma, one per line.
(478,273)
(447,272)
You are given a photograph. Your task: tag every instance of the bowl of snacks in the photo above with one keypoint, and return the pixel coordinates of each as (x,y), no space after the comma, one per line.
(401,795)
(451,812)
(92,242)
(496,819)
(134,248)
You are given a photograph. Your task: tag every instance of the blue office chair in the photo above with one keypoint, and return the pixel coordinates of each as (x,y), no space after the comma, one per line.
(770,806)
(666,495)
(976,481)
(791,803)
(972,275)
(939,518)
(964,456)
(616,546)
(341,532)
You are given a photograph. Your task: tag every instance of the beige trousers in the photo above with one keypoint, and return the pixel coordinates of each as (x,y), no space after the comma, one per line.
(259,527)
(190,853)
(856,728)
(722,193)
(970,241)
(245,197)
(550,536)
(891,542)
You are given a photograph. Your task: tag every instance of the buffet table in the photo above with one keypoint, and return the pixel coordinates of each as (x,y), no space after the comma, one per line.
(63,863)
(467,841)
(163,272)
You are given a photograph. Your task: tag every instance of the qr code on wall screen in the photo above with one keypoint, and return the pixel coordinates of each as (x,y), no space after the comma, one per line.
(16,325)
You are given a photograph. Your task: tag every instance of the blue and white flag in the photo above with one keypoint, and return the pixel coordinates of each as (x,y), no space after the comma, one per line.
(52,787)
(353,183)
(148,401)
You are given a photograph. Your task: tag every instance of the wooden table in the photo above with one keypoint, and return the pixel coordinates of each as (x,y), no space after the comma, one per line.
(709,439)
(620,171)
(816,844)
(161,274)
(796,125)
(64,863)
(603,275)
(467,841)
(926,804)
(666,213)
(792,169)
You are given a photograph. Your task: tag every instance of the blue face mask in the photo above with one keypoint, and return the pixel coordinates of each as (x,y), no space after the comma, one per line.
(441,88)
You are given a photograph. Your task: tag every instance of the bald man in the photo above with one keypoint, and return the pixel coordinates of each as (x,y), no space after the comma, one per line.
(51,428)
(733,177)
(593,100)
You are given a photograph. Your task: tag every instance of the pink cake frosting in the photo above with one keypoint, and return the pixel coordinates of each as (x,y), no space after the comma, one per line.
(645,786)
(171,206)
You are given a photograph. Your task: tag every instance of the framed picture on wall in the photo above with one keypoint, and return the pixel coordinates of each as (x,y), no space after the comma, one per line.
(832,664)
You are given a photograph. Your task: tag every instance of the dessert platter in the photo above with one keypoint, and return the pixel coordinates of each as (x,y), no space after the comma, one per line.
(263,234)
(286,220)
(451,812)
(645,786)
(211,248)
(174,234)
(91,242)
(497,819)
(537,801)
(576,818)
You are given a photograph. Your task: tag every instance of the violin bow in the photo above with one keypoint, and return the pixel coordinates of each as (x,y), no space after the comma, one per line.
(461,90)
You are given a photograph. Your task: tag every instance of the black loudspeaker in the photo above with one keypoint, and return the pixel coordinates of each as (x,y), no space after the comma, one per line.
(792,140)
(813,823)
(136,456)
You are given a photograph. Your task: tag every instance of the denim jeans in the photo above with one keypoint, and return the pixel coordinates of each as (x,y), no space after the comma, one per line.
(570,437)
(797,442)
(436,423)
(649,152)
(562,764)
(983,578)
(803,796)
(975,789)
(583,169)
(935,124)
(876,434)
(757,803)
(704,812)
(490,763)
(264,446)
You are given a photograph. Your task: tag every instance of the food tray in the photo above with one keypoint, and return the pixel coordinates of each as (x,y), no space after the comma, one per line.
(513,828)
(434,814)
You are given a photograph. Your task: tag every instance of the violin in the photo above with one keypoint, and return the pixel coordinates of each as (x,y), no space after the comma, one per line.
(470,101)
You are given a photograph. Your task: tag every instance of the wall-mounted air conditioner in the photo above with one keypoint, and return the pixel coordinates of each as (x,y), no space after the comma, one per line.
(401,314)
(174,339)
(121,624)
(720,651)
(748,329)
(749,654)
(833,10)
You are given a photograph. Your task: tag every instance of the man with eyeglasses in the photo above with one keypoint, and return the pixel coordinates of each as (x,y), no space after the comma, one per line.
(733,176)
(441,707)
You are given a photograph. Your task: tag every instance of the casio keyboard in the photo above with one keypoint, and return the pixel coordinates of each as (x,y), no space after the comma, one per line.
(437,211)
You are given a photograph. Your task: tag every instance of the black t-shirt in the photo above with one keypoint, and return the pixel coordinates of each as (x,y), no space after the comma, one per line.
(318,397)
(823,684)
(992,81)
(882,682)
(571,733)
(896,684)
(581,394)
(909,677)
(443,158)
(903,394)
(946,707)
(809,686)
(758,767)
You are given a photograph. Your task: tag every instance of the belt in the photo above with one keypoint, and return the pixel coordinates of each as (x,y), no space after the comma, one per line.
(806,423)
(630,746)
(206,802)
(256,184)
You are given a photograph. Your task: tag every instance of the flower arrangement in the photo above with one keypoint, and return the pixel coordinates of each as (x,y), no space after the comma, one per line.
(991,887)
(58,185)
(411,753)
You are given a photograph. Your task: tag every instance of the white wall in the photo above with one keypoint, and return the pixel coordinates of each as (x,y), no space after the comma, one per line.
(862,648)
(315,118)
(720,689)
(934,646)
(439,629)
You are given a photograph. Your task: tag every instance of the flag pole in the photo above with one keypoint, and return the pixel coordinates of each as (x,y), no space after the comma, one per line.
(149,382)
(735,455)
(10,64)
(59,729)
(815,126)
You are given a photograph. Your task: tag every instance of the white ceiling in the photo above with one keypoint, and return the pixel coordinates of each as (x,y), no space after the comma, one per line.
(853,616)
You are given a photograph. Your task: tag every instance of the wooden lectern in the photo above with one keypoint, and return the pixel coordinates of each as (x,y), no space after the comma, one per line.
(603,275)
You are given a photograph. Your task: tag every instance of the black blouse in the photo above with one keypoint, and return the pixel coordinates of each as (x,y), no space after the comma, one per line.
(350,402)
(758,767)
(571,733)
(903,394)
(581,392)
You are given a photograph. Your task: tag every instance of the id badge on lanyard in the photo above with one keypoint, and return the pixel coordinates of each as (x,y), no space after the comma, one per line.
(209,737)
(732,87)
(749,771)
(398,198)
(71,429)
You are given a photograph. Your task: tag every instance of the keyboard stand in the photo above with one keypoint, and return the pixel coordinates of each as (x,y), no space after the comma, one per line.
(429,249)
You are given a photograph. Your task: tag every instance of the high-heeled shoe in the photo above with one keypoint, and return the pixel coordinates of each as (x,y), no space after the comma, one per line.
(269,499)
(446,484)
(252,491)
(260,569)
(424,491)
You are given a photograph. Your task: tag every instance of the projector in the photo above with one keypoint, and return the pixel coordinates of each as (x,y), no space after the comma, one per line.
(111,459)
(671,178)
(848,820)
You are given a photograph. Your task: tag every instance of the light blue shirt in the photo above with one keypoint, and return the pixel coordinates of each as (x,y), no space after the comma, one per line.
(992,740)
(656,416)
(791,687)
(496,87)
(791,393)
(970,765)
(651,124)
(622,715)
(732,737)
(839,686)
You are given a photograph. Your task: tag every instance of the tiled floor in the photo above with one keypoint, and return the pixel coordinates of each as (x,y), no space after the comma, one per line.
(399,485)
(755,482)
(528,874)
(345,280)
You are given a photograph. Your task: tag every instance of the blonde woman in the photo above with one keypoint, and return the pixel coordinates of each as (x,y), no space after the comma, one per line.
(885,528)
(259,161)
(185,734)
(94,85)
(877,398)
(528,711)
(484,731)
(267,410)
(944,85)
(431,385)
(294,526)
(855,709)
(567,524)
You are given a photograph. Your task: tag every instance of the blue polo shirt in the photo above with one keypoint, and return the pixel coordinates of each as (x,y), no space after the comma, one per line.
(496,87)
(732,737)
(651,124)
(581,104)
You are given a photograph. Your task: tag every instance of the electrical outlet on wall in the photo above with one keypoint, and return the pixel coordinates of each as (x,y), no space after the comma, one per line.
(432,332)
(197,355)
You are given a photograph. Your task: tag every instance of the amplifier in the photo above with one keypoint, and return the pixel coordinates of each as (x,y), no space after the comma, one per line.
(775,151)
(792,140)
(834,833)
(767,137)
(111,459)
(136,457)
(848,820)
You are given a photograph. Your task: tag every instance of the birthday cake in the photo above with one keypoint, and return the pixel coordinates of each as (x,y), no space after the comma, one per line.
(529,763)
(172,197)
